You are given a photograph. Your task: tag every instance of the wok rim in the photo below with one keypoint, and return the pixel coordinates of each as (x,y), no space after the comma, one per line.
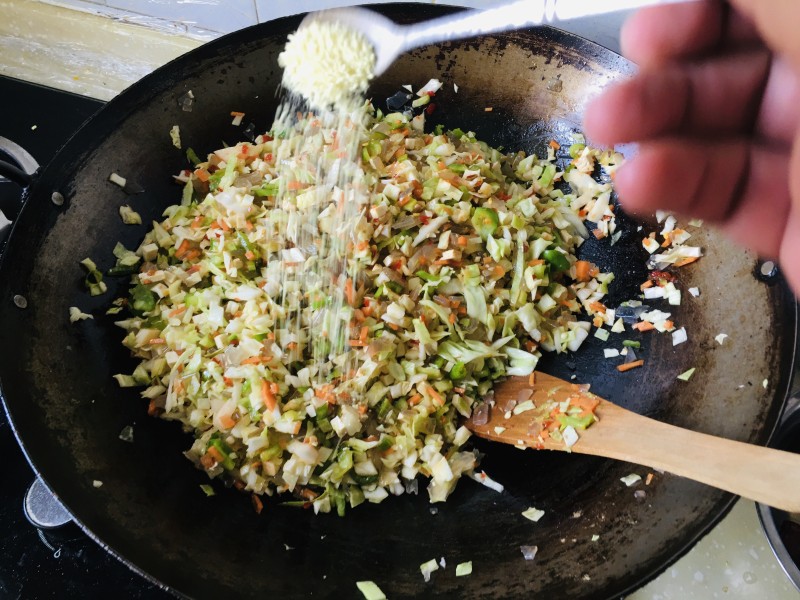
(128,101)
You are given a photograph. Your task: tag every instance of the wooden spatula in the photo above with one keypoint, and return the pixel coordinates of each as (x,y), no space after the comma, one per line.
(761,474)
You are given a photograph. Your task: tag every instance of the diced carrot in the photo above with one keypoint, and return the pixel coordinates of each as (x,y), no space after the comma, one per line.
(153,409)
(597,307)
(535,262)
(532,379)
(582,268)
(686,261)
(253,360)
(631,365)
(202,175)
(177,311)
(644,326)
(437,397)
(669,324)
(364,334)
(357,343)
(249,255)
(258,506)
(554,144)
(646,284)
(451,318)
(223,225)
(249,226)
(227,421)
(197,222)
(267,397)
(362,409)
(308,494)
(349,292)
(462,240)
(415,399)
(215,454)
(157,341)
(183,249)
(584,402)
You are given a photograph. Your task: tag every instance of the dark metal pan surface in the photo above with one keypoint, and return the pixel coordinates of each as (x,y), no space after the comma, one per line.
(68,412)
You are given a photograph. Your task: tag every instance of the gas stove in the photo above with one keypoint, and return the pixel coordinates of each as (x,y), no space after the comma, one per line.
(64,562)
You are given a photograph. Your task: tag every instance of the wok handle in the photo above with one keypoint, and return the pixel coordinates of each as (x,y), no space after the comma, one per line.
(15,174)
(21,173)
(762,474)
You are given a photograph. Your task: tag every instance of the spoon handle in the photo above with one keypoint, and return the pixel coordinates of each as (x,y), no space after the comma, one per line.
(515,15)
(762,474)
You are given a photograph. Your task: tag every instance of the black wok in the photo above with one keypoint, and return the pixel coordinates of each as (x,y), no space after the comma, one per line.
(67,411)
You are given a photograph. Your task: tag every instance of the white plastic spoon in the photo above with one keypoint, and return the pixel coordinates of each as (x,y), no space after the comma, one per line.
(390,39)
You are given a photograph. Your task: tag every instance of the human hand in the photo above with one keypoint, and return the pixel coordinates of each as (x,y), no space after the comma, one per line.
(715,111)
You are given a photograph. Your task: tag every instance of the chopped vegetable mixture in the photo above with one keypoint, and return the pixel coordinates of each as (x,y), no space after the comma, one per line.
(461,269)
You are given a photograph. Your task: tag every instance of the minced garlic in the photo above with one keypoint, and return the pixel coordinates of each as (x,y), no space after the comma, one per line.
(327,63)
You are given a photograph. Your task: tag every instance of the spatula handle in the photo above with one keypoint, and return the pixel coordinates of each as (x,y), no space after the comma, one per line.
(765,475)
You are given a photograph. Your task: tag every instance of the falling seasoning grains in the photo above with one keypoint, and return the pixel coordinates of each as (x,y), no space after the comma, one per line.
(488,109)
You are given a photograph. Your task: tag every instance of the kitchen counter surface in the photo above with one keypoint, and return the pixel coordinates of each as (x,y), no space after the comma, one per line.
(97,48)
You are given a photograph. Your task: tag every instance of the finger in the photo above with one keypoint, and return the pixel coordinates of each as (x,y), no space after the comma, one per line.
(741,187)
(718,95)
(661,34)
(790,250)
(776,20)
(779,116)
(650,36)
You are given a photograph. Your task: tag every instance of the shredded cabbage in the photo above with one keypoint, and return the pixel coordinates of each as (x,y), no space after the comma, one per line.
(353,405)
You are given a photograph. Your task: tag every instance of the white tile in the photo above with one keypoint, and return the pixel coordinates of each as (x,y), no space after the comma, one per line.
(215,15)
